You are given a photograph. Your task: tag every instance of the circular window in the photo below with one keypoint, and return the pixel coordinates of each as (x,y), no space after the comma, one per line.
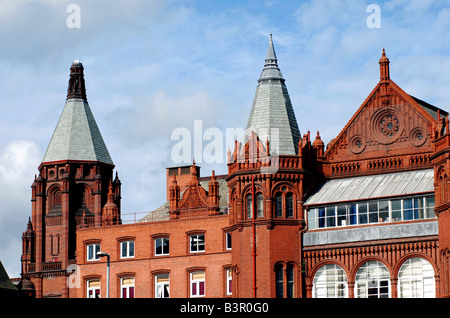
(386,125)
(417,137)
(357,144)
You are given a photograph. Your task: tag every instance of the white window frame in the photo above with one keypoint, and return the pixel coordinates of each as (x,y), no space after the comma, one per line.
(416,279)
(330,281)
(127,287)
(362,209)
(160,286)
(162,239)
(91,252)
(228,241)
(375,278)
(94,290)
(229,281)
(197,282)
(126,246)
(199,245)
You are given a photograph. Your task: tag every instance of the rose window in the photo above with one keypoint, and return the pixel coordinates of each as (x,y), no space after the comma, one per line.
(389,125)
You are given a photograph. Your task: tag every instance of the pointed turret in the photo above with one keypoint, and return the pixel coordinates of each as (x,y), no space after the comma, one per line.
(384,67)
(110,213)
(272,116)
(77,136)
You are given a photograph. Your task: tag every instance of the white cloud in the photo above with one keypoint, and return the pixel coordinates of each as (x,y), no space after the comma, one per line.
(18,162)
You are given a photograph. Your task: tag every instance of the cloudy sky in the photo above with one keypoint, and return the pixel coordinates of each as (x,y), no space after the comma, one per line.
(152,66)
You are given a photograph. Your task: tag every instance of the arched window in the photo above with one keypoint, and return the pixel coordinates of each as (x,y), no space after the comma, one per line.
(289,205)
(330,281)
(290,281)
(278,205)
(55,201)
(249,206)
(372,281)
(416,279)
(57,198)
(443,189)
(279,281)
(259,205)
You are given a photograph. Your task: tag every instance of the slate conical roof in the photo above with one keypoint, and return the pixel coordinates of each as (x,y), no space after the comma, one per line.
(77,136)
(272,115)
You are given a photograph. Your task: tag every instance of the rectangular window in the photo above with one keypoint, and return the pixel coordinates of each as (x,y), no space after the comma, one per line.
(93,289)
(383,211)
(162,246)
(228,240)
(341,215)
(362,213)
(352,213)
(429,207)
(92,250)
(229,282)
(197,243)
(373,212)
(312,219)
(162,286)
(396,206)
(198,284)
(321,217)
(127,287)
(126,249)
(408,209)
(331,216)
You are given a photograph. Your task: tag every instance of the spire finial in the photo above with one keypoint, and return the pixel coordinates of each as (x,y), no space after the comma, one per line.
(384,67)
(271,57)
(77,88)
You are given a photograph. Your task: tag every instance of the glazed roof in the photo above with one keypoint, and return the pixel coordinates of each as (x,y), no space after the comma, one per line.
(373,186)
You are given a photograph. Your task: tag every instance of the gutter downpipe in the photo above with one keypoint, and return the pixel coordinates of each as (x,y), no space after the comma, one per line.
(254,237)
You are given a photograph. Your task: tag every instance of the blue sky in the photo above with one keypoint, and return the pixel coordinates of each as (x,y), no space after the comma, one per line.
(153,66)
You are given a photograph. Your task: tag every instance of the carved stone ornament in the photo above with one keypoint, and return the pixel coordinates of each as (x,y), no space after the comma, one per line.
(387,125)
(357,144)
(417,137)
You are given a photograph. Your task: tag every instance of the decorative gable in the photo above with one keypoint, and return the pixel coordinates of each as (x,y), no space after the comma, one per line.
(390,130)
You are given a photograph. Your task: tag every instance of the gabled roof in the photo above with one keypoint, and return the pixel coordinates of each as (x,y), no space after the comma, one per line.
(427,111)
(77,136)
(272,116)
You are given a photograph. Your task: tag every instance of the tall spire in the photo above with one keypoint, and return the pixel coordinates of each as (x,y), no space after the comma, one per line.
(272,117)
(77,88)
(271,70)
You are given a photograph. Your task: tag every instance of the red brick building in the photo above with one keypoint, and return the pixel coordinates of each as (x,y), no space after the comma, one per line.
(365,216)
